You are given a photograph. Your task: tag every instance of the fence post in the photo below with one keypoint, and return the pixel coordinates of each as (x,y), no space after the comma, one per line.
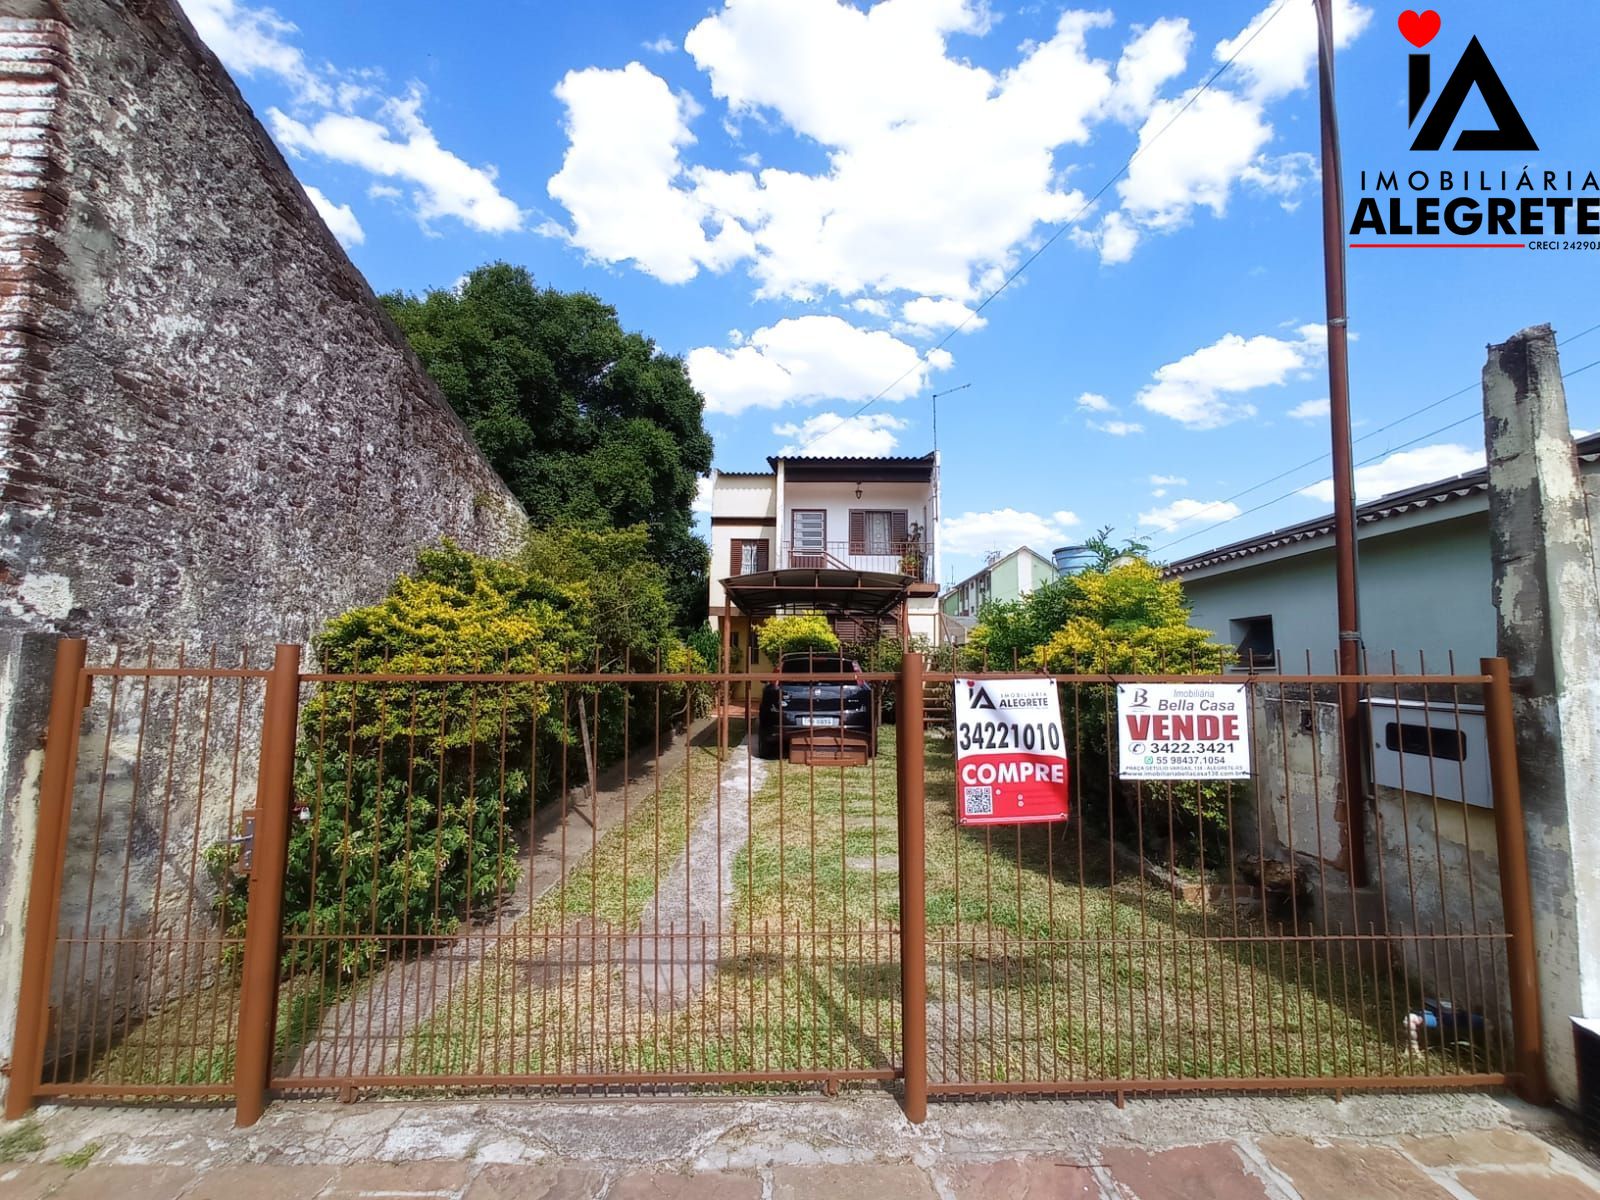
(1516,895)
(909,747)
(44,885)
(263,931)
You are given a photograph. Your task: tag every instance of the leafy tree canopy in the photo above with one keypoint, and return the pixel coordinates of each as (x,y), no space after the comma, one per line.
(1121,618)
(586,423)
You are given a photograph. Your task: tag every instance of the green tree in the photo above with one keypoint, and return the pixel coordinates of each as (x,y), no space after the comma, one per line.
(586,423)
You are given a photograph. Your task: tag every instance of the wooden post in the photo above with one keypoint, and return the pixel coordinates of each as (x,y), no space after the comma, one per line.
(67,700)
(263,933)
(1516,894)
(909,747)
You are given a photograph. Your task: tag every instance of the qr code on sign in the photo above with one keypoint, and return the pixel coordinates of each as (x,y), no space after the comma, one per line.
(980,802)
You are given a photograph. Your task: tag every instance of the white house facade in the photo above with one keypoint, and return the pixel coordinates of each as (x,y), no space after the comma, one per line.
(855,538)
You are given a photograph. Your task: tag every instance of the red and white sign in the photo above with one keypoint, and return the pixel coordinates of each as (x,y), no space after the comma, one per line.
(1183,731)
(1011,757)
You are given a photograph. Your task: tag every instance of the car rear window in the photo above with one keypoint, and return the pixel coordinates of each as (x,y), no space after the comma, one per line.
(822,664)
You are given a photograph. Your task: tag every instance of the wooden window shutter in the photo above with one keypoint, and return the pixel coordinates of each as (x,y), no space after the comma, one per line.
(858,531)
(897,529)
(764,554)
(737,545)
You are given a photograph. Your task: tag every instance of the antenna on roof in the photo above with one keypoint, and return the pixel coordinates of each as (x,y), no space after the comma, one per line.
(934,398)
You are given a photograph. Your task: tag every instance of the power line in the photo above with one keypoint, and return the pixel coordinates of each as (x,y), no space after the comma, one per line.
(1054,237)
(1311,462)
(1421,437)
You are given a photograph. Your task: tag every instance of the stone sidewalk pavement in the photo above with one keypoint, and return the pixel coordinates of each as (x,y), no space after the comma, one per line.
(1372,1148)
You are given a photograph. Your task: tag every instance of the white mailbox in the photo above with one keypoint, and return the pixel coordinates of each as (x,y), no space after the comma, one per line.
(1433,749)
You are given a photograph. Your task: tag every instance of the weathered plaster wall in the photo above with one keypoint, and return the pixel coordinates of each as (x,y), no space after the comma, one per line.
(210,434)
(1547,594)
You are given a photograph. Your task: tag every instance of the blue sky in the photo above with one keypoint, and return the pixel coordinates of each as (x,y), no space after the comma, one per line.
(805,197)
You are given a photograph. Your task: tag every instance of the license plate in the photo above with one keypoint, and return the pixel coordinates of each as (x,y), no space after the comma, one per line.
(818,720)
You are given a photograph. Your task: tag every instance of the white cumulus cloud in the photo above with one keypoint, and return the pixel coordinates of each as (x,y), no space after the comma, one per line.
(1182,512)
(869,435)
(1205,389)
(1404,469)
(1005,529)
(807,359)
(925,315)
(1095,402)
(1117,428)
(1310,410)
(396,143)
(387,137)
(339,218)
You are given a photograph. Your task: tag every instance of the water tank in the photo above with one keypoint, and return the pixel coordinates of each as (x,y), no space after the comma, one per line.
(1072,559)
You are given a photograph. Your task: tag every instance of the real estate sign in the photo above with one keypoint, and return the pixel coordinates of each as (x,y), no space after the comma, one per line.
(1183,731)
(1011,756)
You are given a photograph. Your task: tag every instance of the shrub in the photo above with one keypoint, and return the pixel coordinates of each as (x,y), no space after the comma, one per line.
(408,794)
(796,634)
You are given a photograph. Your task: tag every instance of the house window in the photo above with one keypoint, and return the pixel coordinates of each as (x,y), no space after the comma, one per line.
(879,531)
(749,555)
(808,537)
(1252,637)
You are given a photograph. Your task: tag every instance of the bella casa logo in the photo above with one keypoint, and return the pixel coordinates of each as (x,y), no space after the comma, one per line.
(1474,72)
(1520,207)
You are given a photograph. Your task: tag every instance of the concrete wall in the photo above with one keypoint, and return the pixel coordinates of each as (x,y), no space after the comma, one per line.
(210,431)
(1424,588)
(1547,593)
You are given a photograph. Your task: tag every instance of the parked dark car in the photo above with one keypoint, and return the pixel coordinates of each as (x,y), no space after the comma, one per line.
(795,707)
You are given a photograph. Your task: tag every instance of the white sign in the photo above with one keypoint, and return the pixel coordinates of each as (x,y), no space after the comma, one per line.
(1011,755)
(1183,731)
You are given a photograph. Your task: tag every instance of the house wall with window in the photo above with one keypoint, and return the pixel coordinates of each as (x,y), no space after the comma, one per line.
(858,532)
(1425,588)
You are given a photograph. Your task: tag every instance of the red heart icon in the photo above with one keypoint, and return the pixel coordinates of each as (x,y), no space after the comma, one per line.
(1419,28)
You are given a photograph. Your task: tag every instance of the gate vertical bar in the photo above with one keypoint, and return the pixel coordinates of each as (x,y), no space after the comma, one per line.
(910,743)
(44,886)
(263,932)
(1515,891)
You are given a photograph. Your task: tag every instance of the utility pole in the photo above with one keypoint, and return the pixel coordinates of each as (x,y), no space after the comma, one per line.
(1344,498)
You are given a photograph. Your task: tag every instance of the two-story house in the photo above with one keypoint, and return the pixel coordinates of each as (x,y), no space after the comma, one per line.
(854,538)
(1003,577)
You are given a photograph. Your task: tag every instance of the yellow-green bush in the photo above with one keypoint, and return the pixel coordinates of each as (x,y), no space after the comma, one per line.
(796,634)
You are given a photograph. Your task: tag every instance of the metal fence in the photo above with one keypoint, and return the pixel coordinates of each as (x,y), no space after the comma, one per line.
(256,880)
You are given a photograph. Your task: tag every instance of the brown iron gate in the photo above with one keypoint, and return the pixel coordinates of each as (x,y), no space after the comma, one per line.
(255,879)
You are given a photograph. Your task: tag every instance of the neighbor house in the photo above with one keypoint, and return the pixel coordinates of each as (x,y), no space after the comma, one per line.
(1425,581)
(850,537)
(1004,577)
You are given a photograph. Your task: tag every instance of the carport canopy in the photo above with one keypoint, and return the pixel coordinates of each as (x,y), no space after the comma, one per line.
(823,589)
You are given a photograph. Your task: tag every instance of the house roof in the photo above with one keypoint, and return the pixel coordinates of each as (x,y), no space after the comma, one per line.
(827,589)
(987,567)
(1415,499)
(907,469)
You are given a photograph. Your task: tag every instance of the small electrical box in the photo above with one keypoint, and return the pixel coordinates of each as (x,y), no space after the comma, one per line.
(1431,749)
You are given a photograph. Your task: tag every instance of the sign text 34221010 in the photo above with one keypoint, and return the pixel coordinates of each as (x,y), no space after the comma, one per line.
(1011,761)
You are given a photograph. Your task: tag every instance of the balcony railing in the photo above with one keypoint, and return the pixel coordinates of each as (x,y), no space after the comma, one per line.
(897,558)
